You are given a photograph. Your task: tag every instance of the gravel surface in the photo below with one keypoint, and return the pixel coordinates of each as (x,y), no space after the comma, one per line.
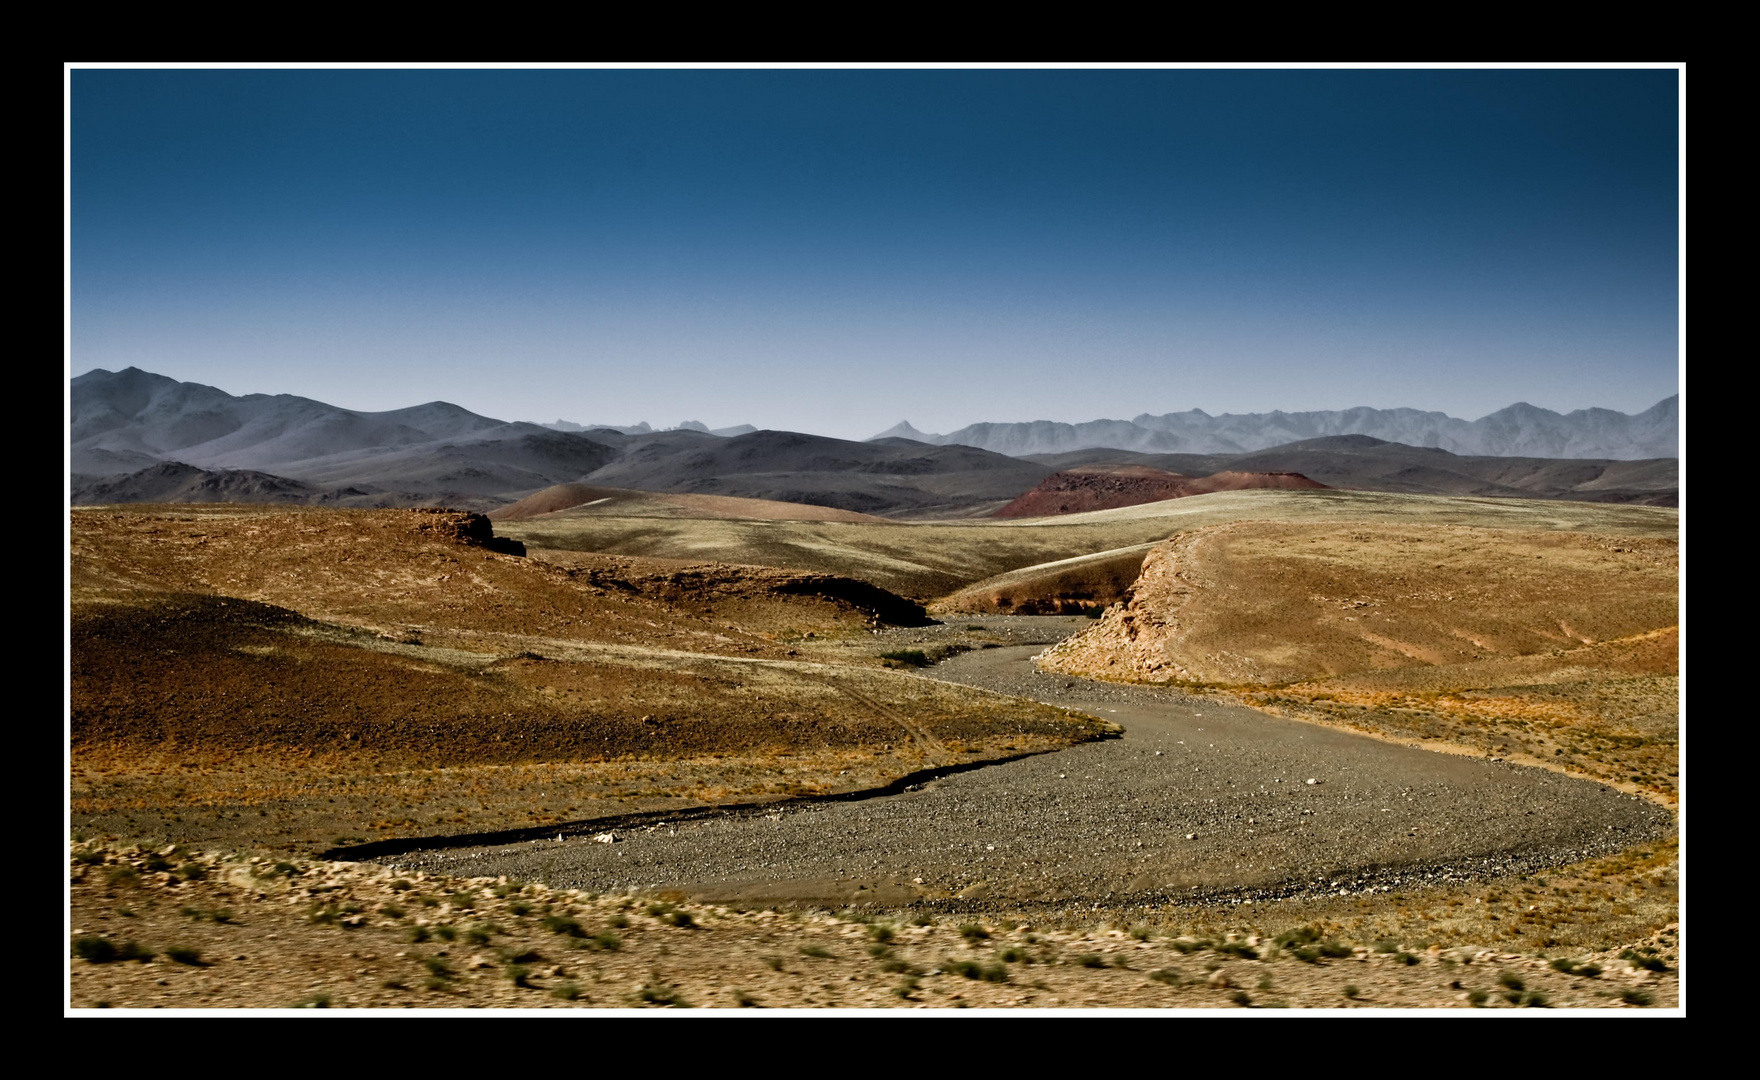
(1196,802)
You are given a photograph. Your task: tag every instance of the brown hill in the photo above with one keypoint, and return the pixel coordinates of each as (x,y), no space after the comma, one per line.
(288,677)
(1107,487)
(629,503)
(1559,647)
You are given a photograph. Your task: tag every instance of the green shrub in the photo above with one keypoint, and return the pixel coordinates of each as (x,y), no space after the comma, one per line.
(605,941)
(94,949)
(187,957)
(562,924)
(661,997)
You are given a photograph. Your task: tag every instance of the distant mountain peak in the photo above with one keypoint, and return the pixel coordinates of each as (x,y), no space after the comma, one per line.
(1519,430)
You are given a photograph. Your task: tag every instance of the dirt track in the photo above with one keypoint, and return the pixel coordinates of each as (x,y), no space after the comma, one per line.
(1197,801)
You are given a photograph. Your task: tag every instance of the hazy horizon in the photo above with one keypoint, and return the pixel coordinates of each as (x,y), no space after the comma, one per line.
(837,250)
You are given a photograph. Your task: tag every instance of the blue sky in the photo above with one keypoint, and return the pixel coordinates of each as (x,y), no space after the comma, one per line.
(832,251)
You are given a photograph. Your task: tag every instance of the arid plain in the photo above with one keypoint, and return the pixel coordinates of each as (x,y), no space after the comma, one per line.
(701,750)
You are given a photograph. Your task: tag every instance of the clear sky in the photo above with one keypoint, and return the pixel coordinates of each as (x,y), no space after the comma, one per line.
(833,251)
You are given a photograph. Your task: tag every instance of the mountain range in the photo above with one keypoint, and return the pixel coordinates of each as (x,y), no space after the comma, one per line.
(1521,430)
(139,437)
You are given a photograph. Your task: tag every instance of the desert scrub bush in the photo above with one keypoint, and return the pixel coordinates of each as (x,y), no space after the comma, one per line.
(392,911)
(94,949)
(438,967)
(1241,998)
(192,871)
(418,934)
(1089,960)
(1534,999)
(187,957)
(661,997)
(159,864)
(973,932)
(1476,998)
(995,973)
(1014,954)
(121,875)
(1509,980)
(1167,975)
(519,908)
(1639,960)
(1636,997)
(907,657)
(621,922)
(744,1000)
(819,952)
(1571,967)
(400,885)
(1187,947)
(895,966)
(1301,935)
(519,975)
(1142,933)
(1352,991)
(1405,958)
(905,989)
(1238,948)
(92,856)
(922,919)
(774,963)
(446,932)
(316,1001)
(567,992)
(604,941)
(881,932)
(563,924)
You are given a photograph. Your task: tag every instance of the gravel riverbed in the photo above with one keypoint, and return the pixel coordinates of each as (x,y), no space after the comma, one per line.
(1197,801)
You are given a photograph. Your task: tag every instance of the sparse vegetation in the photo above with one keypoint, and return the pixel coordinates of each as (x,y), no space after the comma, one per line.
(907,657)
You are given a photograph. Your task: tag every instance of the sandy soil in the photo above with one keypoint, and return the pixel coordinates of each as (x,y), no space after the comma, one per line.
(272,934)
